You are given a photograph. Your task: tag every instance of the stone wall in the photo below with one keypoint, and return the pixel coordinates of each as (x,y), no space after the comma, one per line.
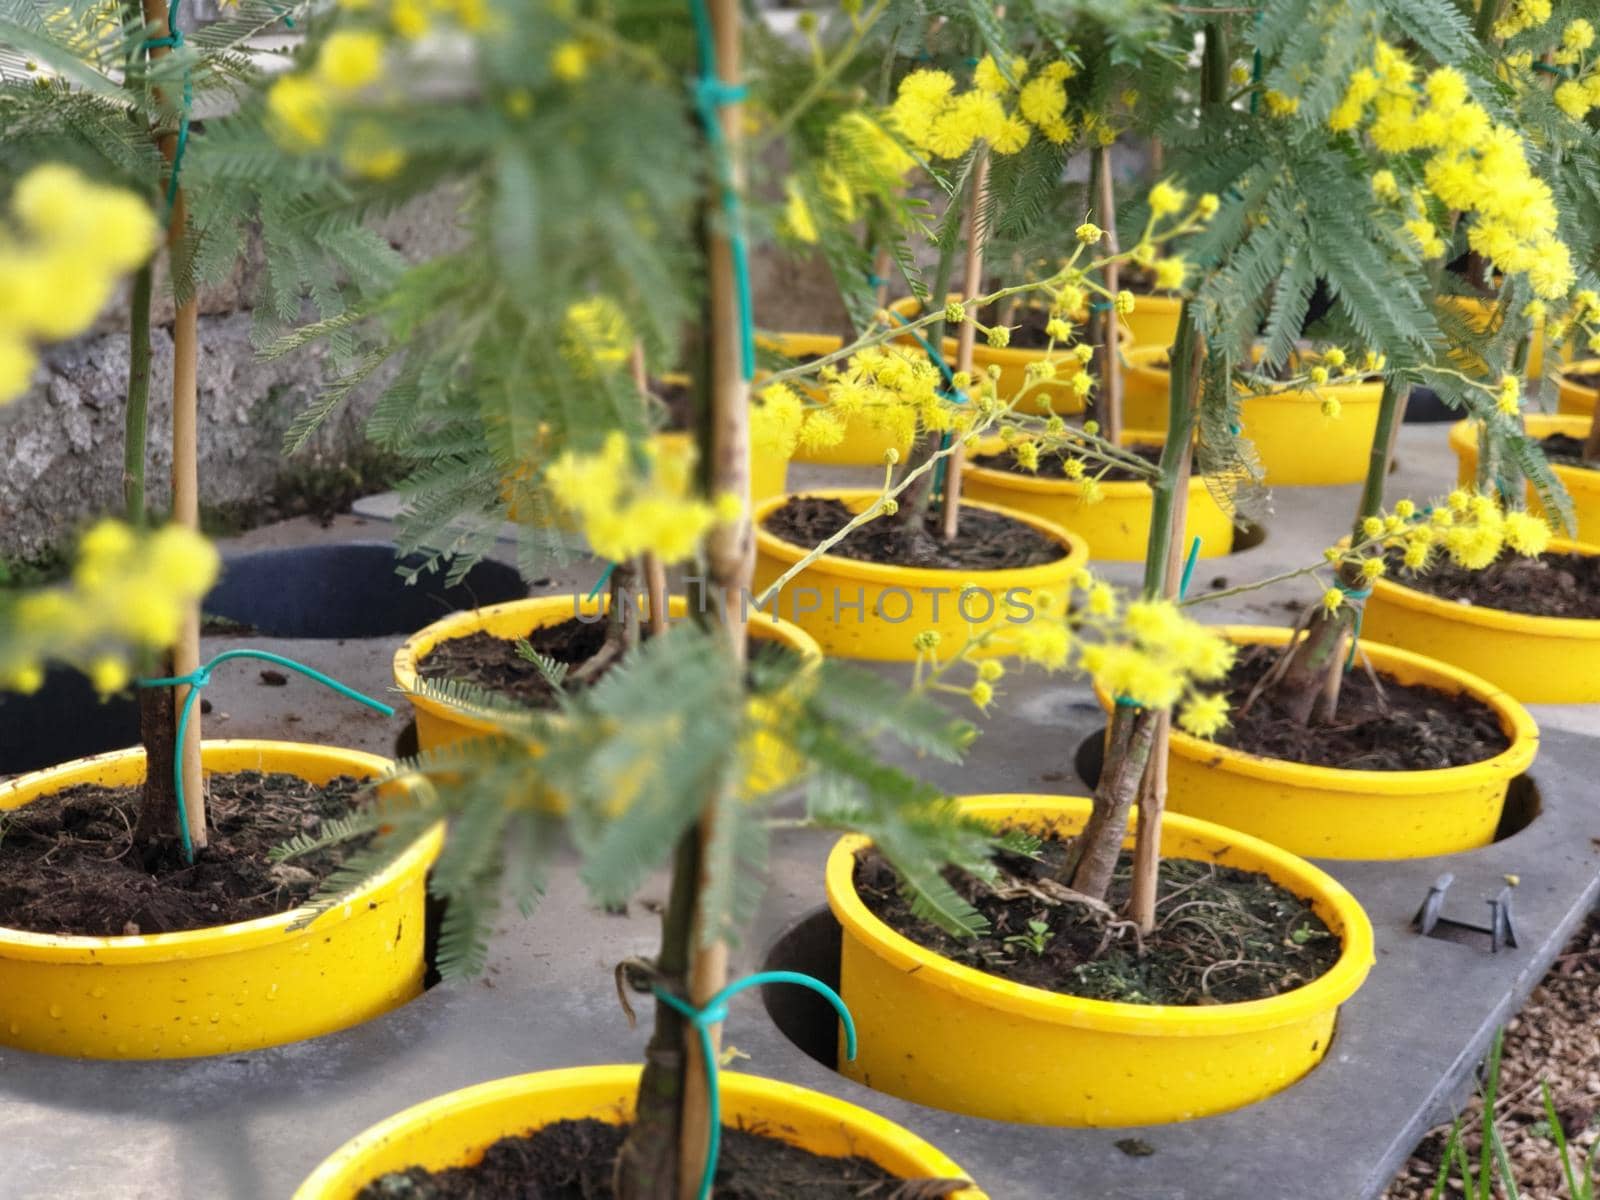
(61,444)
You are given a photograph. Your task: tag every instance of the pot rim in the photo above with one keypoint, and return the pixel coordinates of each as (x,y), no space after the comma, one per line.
(1515,720)
(546,610)
(1500,619)
(1325,992)
(1038,575)
(215,940)
(528,1089)
(1115,489)
(1464,441)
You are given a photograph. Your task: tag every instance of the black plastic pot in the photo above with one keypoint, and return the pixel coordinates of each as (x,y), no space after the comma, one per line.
(347,590)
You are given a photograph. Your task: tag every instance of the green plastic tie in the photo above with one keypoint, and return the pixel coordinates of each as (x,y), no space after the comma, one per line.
(174,40)
(714,1012)
(1127,702)
(605,577)
(199,677)
(710,94)
(1356,596)
(1188,567)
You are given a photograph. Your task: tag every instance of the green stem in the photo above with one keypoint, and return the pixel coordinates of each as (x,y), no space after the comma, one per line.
(1186,355)
(916,482)
(136,419)
(824,78)
(1488,10)
(1214,66)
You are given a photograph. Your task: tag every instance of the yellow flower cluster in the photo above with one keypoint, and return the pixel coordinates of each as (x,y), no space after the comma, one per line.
(71,241)
(862,161)
(127,591)
(1577,95)
(1472,165)
(595,336)
(1521,15)
(930,114)
(301,108)
(625,513)
(412,19)
(1469,528)
(1145,653)
(890,388)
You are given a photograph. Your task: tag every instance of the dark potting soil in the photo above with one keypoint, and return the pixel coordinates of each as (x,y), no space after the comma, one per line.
(1053,466)
(1221,935)
(1583,379)
(1566,450)
(494,663)
(67,863)
(986,541)
(1554,585)
(1405,728)
(572,1160)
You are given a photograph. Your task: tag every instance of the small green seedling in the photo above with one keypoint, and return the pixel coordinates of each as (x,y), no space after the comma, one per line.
(1035,940)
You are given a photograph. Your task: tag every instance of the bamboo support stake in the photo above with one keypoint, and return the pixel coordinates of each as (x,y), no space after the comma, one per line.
(185,476)
(731,561)
(655,575)
(971,290)
(880,272)
(1153,787)
(1111,357)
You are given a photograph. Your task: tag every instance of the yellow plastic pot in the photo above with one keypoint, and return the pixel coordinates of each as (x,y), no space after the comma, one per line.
(1480,315)
(223,990)
(1298,444)
(1117,525)
(953,1037)
(1575,399)
(1153,321)
(1583,486)
(1330,812)
(442,724)
(1055,395)
(1538,660)
(869,610)
(455,1129)
(1145,384)
(865,442)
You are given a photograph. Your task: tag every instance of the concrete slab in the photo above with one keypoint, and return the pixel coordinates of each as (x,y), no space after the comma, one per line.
(252,1126)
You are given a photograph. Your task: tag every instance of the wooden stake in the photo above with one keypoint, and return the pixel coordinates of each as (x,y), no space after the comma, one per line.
(1110,357)
(880,270)
(185,476)
(731,560)
(1153,788)
(972,288)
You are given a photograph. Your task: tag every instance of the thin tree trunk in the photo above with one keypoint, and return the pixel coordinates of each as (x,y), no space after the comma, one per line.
(1591,444)
(913,503)
(185,479)
(972,289)
(158,807)
(1317,660)
(1109,408)
(647,1164)
(665,1154)
(1153,789)
(1131,741)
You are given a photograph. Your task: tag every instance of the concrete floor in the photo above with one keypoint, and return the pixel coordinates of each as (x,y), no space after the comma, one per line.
(252,1126)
